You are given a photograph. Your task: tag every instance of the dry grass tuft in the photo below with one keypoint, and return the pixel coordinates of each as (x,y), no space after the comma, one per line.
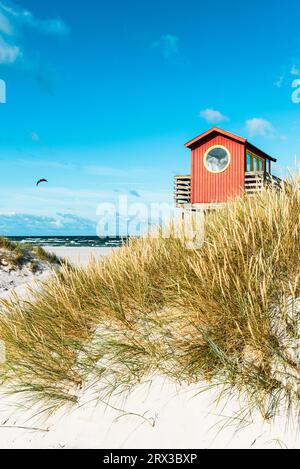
(227,313)
(16,253)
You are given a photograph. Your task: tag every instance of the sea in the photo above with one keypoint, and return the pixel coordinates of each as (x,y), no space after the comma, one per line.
(71,241)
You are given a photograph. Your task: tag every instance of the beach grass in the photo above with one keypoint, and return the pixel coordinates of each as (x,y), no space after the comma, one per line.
(225,314)
(16,253)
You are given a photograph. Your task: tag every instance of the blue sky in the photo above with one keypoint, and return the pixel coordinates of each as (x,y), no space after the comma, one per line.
(102,96)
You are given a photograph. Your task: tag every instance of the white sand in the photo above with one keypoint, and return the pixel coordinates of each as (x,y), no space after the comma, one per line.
(157,415)
(79,256)
(20,281)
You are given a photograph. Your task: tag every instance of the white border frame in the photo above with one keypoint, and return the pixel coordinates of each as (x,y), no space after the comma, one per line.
(206,154)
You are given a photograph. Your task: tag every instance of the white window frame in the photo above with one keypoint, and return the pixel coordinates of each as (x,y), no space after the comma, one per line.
(206,155)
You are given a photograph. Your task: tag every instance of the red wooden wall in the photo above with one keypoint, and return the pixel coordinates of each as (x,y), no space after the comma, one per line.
(210,187)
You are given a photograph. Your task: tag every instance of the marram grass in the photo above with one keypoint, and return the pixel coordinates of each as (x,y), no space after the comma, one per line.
(227,313)
(17,253)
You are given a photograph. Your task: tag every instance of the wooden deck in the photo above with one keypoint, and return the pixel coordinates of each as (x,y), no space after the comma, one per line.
(182,190)
(254,182)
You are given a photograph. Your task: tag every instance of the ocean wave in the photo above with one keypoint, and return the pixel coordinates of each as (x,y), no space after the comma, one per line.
(70,241)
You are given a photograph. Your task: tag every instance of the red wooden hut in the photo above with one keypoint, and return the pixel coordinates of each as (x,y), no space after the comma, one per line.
(223,166)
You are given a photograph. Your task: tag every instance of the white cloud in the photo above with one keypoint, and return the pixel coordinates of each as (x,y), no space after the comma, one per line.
(279,82)
(5,25)
(35,137)
(113,172)
(39,163)
(13,19)
(74,193)
(168,44)
(258,127)
(59,224)
(295,70)
(9,53)
(21,16)
(213,116)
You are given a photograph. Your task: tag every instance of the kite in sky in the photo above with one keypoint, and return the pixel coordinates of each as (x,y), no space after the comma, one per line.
(40,181)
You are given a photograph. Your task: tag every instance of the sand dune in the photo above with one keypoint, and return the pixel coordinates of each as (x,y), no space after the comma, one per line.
(158,414)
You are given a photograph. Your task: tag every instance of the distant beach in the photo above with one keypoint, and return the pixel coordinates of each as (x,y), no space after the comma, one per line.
(80,255)
(71,241)
(78,250)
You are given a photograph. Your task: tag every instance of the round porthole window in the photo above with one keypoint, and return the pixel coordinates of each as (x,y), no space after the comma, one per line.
(217,159)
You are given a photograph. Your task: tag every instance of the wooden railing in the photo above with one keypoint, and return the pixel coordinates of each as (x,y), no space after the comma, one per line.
(182,190)
(255,181)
